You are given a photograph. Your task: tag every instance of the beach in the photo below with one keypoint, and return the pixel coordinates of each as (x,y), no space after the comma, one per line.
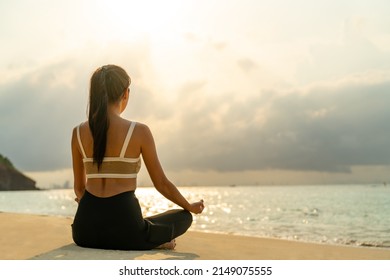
(334,215)
(43,237)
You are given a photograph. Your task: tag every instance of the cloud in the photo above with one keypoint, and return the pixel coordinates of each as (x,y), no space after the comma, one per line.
(324,128)
(246,64)
(37,111)
(40,107)
(221,120)
(355,52)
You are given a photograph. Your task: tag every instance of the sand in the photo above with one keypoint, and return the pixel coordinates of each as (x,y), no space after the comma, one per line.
(33,237)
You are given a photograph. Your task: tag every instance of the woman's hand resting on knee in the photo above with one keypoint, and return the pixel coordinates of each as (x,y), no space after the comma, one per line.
(196,207)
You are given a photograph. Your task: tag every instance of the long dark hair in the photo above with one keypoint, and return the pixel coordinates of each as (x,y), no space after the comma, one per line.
(108,84)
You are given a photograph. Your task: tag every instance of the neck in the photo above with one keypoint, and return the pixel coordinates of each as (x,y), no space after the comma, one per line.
(114,110)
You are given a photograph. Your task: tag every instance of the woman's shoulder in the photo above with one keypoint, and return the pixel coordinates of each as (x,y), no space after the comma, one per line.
(81,125)
(81,128)
(140,125)
(141,129)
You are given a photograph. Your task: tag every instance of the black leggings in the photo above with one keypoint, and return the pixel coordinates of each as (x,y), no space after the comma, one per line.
(116,223)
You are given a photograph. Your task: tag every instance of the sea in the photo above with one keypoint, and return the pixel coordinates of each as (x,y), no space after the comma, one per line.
(353,215)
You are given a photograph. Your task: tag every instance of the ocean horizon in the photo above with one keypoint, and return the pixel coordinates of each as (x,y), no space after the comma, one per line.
(355,215)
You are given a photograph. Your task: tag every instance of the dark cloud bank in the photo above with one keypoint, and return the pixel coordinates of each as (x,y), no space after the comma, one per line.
(325,128)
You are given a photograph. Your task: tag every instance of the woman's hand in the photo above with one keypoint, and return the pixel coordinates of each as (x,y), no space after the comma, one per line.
(197,207)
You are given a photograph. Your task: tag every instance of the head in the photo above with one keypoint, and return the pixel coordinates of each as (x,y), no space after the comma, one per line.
(108,86)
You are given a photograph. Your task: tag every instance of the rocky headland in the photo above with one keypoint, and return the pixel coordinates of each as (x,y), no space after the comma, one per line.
(12,179)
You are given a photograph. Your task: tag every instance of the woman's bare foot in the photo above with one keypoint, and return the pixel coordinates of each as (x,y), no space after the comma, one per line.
(168,246)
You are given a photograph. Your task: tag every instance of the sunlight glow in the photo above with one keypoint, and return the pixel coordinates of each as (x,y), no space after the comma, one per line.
(128,20)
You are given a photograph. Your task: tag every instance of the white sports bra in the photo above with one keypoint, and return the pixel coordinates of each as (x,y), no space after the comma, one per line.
(112,167)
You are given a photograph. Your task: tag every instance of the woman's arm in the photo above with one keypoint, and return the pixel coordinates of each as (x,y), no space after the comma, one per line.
(78,168)
(160,181)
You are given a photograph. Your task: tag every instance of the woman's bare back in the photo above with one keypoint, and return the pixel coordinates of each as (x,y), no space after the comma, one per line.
(116,134)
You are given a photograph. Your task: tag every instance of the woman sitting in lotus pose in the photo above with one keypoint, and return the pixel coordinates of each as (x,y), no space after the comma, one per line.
(106,155)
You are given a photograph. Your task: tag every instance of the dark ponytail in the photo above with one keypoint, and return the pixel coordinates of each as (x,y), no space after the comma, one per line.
(108,84)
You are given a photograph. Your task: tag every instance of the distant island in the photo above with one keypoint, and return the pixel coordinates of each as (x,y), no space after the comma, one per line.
(13,180)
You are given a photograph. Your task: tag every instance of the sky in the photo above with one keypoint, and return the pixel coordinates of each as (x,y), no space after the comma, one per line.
(234,92)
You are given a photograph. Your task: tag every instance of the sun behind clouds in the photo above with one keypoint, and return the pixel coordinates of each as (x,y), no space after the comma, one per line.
(128,20)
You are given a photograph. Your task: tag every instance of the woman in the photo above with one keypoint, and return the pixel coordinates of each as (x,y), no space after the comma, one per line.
(106,153)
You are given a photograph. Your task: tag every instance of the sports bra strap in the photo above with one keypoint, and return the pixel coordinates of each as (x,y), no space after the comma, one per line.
(80,144)
(127,139)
